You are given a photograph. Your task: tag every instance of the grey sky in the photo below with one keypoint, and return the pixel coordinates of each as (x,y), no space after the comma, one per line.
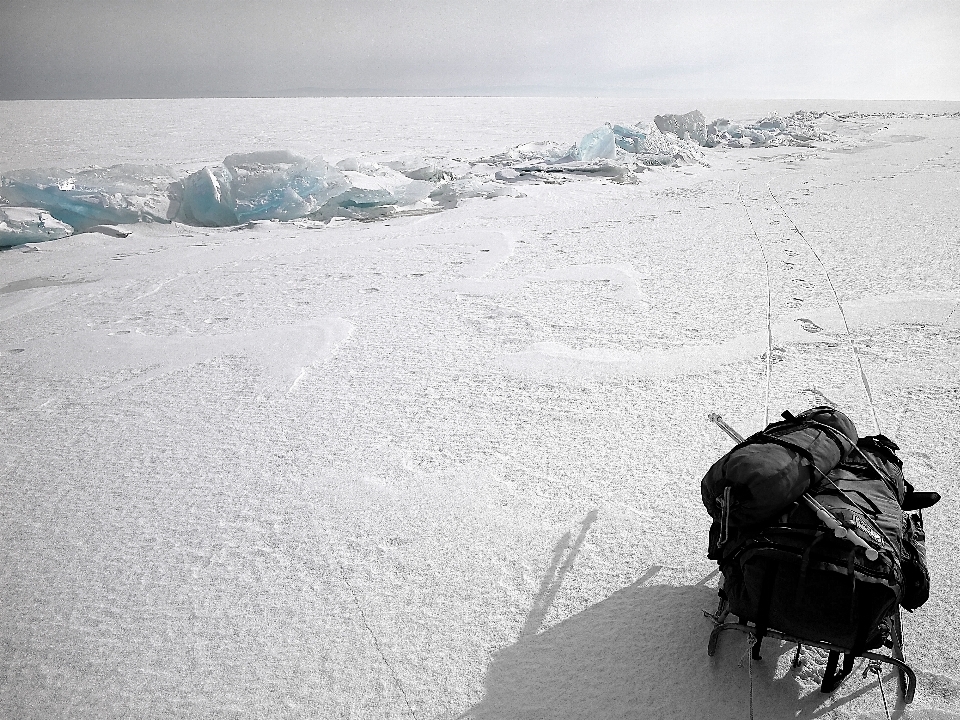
(174,48)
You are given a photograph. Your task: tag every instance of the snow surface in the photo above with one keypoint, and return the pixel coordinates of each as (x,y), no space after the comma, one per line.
(447,465)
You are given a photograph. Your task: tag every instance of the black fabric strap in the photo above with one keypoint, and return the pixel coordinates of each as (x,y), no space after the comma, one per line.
(775,440)
(853,586)
(832,433)
(805,564)
(763,606)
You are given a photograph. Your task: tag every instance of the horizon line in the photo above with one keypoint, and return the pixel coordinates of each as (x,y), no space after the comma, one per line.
(317,93)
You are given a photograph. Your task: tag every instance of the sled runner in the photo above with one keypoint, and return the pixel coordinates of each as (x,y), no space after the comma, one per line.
(832,677)
(814,545)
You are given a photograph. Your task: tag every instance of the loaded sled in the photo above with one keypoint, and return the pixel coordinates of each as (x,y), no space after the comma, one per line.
(816,541)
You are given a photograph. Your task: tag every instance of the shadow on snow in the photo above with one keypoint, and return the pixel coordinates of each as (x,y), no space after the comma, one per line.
(641,653)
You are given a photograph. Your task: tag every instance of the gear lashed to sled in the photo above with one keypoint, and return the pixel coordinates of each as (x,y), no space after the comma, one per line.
(799,576)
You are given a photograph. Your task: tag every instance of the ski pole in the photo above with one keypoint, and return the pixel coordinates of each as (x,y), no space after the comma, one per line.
(827,517)
(830,520)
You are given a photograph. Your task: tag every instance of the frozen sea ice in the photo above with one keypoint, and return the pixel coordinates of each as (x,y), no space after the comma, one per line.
(372,184)
(601,143)
(19,225)
(265,185)
(99,196)
(692,123)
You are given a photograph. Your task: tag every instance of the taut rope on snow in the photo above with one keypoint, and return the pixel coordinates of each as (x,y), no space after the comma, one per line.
(843,314)
(952,313)
(374,638)
(376,642)
(751,640)
(766,263)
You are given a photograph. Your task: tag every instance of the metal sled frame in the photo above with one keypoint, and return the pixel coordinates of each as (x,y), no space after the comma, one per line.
(832,677)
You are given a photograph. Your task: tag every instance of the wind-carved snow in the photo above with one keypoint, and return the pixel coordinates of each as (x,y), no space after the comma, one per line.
(283,353)
(555,359)
(624,279)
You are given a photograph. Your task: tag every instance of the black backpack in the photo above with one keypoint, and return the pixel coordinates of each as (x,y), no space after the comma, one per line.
(750,486)
(795,575)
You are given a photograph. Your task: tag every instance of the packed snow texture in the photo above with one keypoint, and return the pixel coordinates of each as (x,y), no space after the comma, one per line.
(19,225)
(281,185)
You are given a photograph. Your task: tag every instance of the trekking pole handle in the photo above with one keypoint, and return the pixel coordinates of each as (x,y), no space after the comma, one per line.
(829,520)
(721,423)
(841,532)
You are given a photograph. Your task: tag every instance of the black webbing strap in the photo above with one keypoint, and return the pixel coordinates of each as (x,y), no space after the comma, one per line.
(805,564)
(764,438)
(735,552)
(845,495)
(880,473)
(725,504)
(832,433)
(873,506)
(853,586)
(763,606)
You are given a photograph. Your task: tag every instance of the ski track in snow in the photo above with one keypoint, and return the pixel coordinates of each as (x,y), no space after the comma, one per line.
(448,465)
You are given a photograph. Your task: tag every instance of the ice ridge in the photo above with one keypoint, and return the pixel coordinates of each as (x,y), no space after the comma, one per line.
(45,204)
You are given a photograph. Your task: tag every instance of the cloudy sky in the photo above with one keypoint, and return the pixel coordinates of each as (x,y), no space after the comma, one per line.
(857,49)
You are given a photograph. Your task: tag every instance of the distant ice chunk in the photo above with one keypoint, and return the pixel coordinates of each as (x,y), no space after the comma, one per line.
(691,125)
(657,148)
(629,132)
(19,225)
(535,152)
(429,169)
(800,128)
(265,185)
(449,194)
(372,184)
(204,198)
(601,143)
(601,167)
(99,196)
(773,122)
(627,138)
(279,185)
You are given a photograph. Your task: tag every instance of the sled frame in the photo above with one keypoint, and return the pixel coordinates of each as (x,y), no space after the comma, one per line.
(832,677)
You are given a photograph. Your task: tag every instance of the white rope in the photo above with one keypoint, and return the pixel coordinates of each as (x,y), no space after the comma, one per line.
(376,641)
(950,316)
(766,263)
(367,626)
(843,314)
(751,640)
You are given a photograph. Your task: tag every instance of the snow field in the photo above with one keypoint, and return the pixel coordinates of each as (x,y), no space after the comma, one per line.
(298,471)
